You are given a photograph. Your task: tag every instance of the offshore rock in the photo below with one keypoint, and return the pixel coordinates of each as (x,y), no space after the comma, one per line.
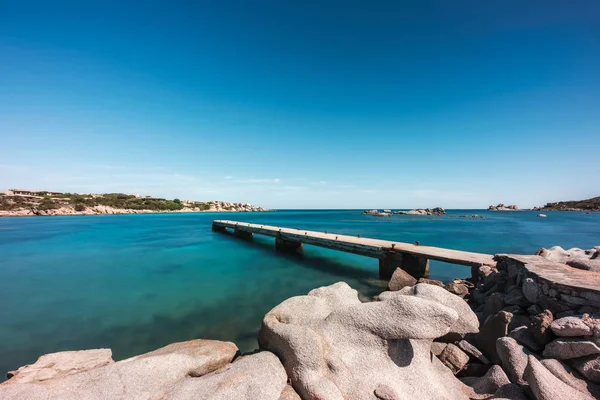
(319,338)
(148,376)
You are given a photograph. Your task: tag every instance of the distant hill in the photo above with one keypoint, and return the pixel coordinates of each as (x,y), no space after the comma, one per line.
(592,204)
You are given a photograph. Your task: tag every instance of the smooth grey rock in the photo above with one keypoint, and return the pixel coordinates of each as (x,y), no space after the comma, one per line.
(522,335)
(571,377)
(454,358)
(472,351)
(493,380)
(335,347)
(540,327)
(494,328)
(570,326)
(401,279)
(531,290)
(588,366)
(514,359)
(148,376)
(61,364)
(567,348)
(467,320)
(257,376)
(546,386)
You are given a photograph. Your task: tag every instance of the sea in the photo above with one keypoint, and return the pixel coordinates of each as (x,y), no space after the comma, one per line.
(134,283)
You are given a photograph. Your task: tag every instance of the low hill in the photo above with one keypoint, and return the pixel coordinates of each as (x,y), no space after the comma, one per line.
(592,204)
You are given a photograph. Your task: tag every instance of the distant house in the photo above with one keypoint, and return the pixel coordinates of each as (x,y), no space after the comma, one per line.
(23,192)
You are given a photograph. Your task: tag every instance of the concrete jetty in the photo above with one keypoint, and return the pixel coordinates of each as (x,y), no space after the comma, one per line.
(391,254)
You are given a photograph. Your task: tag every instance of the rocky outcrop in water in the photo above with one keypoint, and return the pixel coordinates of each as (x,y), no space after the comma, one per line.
(423,211)
(577,258)
(502,207)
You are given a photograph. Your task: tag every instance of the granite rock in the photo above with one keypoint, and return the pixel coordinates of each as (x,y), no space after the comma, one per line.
(570,326)
(571,377)
(400,279)
(588,366)
(514,359)
(567,348)
(540,327)
(546,386)
(494,328)
(454,358)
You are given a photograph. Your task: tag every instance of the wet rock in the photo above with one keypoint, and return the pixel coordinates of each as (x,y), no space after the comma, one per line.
(588,366)
(545,386)
(567,348)
(514,359)
(257,376)
(319,336)
(472,352)
(540,327)
(64,363)
(570,326)
(494,328)
(400,279)
(522,335)
(454,358)
(571,377)
(150,375)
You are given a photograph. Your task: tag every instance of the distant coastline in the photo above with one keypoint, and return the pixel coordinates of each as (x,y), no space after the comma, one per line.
(592,204)
(26,203)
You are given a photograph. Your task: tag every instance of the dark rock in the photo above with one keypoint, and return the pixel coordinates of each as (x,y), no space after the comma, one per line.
(513,309)
(546,386)
(540,327)
(474,369)
(519,320)
(522,335)
(531,290)
(493,304)
(567,348)
(534,309)
(516,297)
(552,304)
(400,279)
(496,327)
(510,392)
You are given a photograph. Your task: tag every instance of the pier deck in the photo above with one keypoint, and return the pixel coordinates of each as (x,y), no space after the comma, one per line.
(391,254)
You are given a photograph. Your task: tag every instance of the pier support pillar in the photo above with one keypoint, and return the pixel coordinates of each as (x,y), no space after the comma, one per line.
(289,246)
(243,234)
(218,228)
(418,267)
(388,265)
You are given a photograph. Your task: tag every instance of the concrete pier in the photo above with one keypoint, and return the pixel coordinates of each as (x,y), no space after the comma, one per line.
(412,258)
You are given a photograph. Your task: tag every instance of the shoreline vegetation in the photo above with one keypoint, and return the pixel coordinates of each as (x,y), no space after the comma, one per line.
(592,204)
(20,203)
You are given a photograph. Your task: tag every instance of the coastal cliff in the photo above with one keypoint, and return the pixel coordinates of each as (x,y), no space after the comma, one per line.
(54,204)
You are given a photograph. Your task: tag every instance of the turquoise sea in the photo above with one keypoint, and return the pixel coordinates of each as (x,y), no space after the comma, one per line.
(134,283)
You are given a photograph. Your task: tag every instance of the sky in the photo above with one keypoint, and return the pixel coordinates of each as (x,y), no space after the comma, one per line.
(304,104)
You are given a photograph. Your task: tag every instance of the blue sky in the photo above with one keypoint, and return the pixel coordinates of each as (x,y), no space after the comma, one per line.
(311,104)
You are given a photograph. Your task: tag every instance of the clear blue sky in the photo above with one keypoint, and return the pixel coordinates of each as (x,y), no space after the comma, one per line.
(306,104)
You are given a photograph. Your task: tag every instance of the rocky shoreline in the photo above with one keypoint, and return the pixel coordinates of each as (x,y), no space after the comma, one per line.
(216,206)
(528,328)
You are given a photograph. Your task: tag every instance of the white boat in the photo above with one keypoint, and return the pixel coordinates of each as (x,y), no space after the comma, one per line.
(542,215)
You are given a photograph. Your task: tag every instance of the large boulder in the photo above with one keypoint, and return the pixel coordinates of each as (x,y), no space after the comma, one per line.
(571,326)
(488,384)
(571,377)
(546,386)
(148,376)
(58,365)
(514,359)
(335,347)
(257,376)
(567,348)
(588,366)
(400,279)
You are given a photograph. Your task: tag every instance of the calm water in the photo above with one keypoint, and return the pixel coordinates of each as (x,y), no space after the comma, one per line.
(135,283)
